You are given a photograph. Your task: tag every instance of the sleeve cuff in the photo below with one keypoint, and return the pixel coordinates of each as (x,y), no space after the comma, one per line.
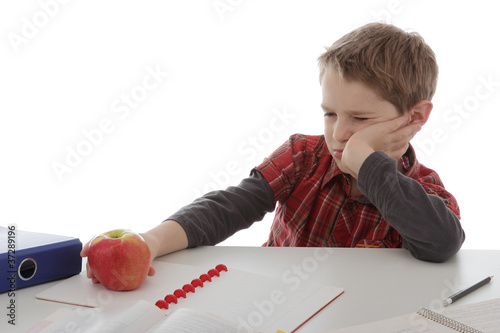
(373,168)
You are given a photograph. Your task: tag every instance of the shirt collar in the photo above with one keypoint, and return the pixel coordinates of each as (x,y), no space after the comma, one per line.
(332,173)
(409,162)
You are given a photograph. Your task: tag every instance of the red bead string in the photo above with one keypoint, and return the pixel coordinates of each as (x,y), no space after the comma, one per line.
(190,287)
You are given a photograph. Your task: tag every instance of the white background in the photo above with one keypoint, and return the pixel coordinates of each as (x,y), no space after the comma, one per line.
(233,66)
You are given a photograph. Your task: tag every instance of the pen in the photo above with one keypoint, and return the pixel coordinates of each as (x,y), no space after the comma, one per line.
(466,291)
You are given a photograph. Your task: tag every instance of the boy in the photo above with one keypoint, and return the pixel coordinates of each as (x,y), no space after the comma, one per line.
(359,185)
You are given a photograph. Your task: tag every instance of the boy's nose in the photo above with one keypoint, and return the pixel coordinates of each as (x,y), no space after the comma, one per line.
(342,132)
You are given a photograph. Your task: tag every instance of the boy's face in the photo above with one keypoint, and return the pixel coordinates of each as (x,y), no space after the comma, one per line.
(350,106)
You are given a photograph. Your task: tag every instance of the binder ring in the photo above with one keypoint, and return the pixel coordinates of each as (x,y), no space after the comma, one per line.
(27,269)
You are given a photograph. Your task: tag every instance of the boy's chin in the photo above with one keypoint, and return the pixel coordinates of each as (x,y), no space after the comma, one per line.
(343,168)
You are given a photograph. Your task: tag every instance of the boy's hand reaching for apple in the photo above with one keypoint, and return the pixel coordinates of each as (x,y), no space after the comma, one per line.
(121,275)
(90,274)
(391,137)
(165,238)
(84,253)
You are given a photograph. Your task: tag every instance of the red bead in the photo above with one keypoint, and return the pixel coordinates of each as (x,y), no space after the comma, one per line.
(188,288)
(180,293)
(205,278)
(197,283)
(221,268)
(162,304)
(171,299)
(213,272)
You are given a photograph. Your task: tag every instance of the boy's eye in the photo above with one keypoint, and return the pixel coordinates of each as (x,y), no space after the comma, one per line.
(360,119)
(330,114)
(354,118)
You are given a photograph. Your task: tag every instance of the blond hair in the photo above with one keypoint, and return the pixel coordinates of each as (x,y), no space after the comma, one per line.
(398,65)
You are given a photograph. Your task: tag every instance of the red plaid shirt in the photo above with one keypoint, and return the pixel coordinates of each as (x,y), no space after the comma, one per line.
(314,206)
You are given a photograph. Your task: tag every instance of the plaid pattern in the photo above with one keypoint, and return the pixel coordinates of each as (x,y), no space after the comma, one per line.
(314,207)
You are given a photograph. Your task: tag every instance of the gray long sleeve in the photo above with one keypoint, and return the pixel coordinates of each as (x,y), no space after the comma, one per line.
(219,214)
(430,230)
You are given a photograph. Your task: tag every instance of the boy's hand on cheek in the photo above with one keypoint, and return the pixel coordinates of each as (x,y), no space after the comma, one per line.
(391,137)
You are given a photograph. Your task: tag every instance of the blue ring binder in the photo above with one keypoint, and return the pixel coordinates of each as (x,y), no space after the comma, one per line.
(31,258)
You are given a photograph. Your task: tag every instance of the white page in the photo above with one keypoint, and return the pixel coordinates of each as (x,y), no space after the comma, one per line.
(142,317)
(259,302)
(412,323)
(186,320)
(138,318)
(483,316)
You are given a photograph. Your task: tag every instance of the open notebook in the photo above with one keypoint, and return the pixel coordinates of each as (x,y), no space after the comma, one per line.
(482,317)
(142,317)
(252,301)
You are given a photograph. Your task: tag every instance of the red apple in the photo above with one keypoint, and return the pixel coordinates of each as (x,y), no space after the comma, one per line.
(119,259)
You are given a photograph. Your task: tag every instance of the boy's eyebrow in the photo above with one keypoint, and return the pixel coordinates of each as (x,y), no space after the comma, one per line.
(324,107)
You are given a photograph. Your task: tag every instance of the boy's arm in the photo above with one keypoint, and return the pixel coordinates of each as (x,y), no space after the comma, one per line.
(430,229)
(219,214)
(209,219)
(165,238)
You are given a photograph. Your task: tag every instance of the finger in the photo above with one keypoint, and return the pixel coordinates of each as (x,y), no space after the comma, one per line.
(399,140)
(152,271)
(90,274)
(408,132)
(400,122)
(85,250)
(415,129)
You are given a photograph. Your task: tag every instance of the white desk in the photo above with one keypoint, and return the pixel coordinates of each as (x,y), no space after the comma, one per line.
(378,283)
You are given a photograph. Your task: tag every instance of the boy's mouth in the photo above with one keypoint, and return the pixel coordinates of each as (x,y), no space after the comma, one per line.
(337,153)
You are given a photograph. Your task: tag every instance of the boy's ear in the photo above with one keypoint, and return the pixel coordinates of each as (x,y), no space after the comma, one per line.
(420,112)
